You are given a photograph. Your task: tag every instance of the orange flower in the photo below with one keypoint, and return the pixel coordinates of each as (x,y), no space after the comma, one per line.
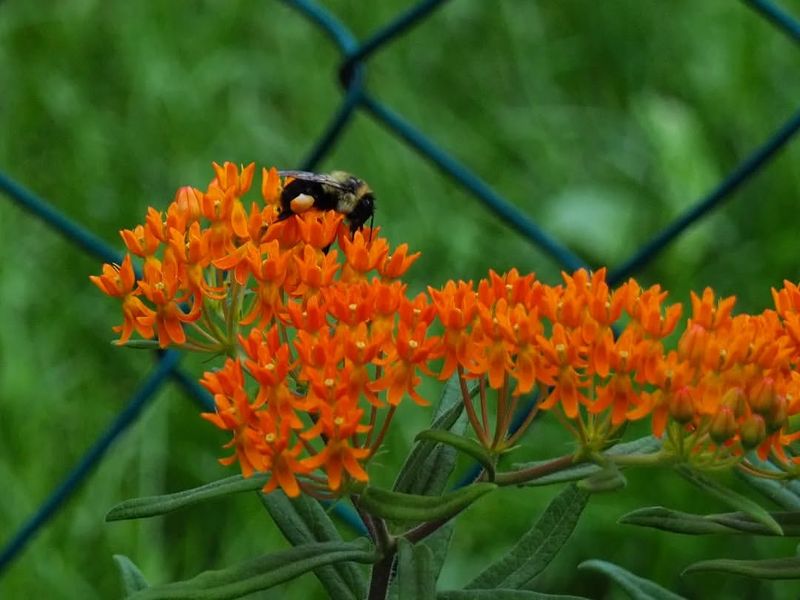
(362,256)
(119,282)
(562,354)
(230,180)
(116,280)
(271,187)
(161,287)
(315,271)
(270,274)
(409,354)
(318,229)
(457,308)
(234,413)
(337,457)
(281,458)
(396,264)
(493,344)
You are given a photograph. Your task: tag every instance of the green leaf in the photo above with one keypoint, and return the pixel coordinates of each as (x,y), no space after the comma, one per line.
(780,492)
(303,520)
(151,506)
(429,464)
(731,498)
(608,479)
(736,523)
(261,573)
(502,594)
(410,507)
(771,568)
(785,494)
(415,573)
(132,578)
(138,344)
(439,543)
(534,551)
(465,445)
(645,445)
(636,587)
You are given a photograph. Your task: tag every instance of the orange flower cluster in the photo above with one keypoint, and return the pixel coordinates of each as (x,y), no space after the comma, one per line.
(729,386)
(520,333)
(333,337)
(323,342)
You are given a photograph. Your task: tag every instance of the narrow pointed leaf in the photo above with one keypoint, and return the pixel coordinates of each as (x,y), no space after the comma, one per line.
(151,506)
(132,578)
(439,543)
(462,444)
(771,568)
(534,551)
(429,464)
(780,492)
(645,445)
(397,506)
(637,588)
(415,574)
(502,594)
(785,494)
(303,520)
(736,523)
(609,479)
(731,498)
(138,344)
(260,573)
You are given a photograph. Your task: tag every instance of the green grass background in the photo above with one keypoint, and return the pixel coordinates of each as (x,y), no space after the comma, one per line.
(602,121)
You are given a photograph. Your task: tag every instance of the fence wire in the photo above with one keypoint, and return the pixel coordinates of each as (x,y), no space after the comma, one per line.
(356,98)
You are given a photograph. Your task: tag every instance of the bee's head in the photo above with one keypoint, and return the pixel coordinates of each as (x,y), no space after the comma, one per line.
(362,211)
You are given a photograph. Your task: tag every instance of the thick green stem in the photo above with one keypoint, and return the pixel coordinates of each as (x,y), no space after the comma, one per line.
(536,471)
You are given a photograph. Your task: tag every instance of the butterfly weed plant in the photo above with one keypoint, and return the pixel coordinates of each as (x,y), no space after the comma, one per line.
(317,342)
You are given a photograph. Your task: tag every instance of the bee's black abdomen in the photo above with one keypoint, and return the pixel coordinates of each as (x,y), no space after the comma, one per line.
(337,191)
(322,199)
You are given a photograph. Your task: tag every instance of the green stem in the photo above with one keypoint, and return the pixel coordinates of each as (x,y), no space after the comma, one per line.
(640,460)
(500,414)
(536,471)
(473,418)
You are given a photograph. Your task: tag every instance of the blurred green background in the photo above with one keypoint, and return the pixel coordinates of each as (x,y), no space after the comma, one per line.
(602,121)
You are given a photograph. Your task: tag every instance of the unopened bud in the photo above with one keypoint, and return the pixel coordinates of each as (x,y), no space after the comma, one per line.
(681,406)
(735,400)
(762,396)
(723,425)
(753,431)
(777,416)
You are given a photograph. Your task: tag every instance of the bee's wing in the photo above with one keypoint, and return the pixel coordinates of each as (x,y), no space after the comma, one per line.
(315,177)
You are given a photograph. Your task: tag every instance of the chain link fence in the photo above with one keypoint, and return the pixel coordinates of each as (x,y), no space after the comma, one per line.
(357,97)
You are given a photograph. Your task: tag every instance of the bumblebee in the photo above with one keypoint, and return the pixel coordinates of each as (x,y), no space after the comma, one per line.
(337,191)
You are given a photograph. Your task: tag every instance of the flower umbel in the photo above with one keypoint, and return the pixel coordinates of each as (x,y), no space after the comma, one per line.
(319,354)
(323,342)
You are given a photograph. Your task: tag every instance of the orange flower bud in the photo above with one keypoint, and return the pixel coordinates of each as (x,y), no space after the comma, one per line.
(762,396)
(753,431)
(777,416)
(723,425)
(681,405)
(735,400)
